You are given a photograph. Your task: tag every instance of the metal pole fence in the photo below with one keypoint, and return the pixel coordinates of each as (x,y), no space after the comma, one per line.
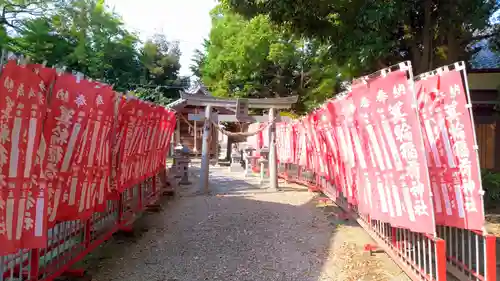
(467,255)
(70,241)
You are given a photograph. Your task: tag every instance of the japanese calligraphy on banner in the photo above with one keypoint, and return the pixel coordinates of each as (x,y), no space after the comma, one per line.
(331,146)
(36,236)
(59,137)
(280,142)
(401,151)
(373,136)
(64,133)
(452,160)
(22,104)
(402,180)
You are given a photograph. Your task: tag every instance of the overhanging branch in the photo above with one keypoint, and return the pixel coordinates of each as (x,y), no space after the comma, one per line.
(483,36)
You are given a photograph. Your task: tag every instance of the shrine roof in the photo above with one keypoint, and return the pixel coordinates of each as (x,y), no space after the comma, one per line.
(196,90)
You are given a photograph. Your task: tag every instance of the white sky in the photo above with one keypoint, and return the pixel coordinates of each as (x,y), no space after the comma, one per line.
(186,21)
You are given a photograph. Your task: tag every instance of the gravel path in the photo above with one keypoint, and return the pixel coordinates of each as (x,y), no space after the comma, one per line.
(241,232)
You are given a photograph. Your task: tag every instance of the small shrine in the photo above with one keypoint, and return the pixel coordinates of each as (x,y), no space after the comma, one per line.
(190,132)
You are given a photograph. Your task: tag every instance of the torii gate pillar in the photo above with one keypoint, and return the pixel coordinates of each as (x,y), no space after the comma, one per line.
(205,150)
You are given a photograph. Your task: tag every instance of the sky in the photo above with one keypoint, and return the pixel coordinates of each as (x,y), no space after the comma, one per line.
(186,21)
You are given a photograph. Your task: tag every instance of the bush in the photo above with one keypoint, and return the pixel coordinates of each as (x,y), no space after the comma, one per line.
(491,186)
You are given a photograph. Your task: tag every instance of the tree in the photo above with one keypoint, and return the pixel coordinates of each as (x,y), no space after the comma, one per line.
(83,36)
(161,67)
(199,59)
(12,12)
(366,35)
(254,58)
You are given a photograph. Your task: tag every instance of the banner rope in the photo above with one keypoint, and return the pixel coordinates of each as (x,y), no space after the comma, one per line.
(241,134)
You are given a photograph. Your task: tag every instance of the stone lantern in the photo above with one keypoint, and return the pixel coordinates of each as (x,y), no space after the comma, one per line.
(235,159)
(264,163)
(181,164)
(250,159)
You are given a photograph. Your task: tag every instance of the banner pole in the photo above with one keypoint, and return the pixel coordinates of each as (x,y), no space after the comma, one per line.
(461,67)
(411,85)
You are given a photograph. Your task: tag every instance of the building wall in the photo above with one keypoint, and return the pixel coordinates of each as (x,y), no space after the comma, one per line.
(483,90)
(187,135)
(483,80)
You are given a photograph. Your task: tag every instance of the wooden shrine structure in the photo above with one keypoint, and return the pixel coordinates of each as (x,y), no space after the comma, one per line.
(239,109)
(189,132)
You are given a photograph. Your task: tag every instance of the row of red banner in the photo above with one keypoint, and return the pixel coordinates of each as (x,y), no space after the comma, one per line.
(66,146)
(402,150)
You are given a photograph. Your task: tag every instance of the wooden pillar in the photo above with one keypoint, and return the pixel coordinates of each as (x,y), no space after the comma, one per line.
(195,145)
(496,161)
(178,131)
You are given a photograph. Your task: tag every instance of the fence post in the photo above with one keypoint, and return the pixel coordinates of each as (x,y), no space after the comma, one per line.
(154,187)
(87,235)
(120,209)
(299,173)
(139,201)
(34,264)
(440,260)
(394,234)
(490,258)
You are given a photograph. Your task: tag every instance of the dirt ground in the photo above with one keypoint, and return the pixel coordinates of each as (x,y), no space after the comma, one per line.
(241,231)
(493,227)
(493,221)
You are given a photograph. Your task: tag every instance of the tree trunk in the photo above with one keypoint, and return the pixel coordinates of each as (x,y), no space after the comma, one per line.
(424,63)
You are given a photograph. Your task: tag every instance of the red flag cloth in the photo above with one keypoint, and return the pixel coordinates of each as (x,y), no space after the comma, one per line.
(370,199)
(64,131)
(453,161)
(302,153)
(280,141)
(22,106)
(130,134)
(167,127)
(36,237)
(332,143)
(92,153)
(403,180)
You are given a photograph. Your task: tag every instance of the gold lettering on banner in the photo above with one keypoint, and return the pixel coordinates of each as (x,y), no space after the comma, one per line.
(59,138)
(408,151)
(460,149)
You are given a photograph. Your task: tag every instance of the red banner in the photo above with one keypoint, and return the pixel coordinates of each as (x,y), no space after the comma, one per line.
(452,160)
(22,107)
(398,184)
(59,164)
(386,148)
(36,236)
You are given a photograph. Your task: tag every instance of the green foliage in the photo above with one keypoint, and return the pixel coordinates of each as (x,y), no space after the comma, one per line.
(491,184)
(151,95)
(85,36)
(367,35)
(12,12)
(161,65)
(255,58)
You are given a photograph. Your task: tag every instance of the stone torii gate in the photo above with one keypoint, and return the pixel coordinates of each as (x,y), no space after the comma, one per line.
(241,107)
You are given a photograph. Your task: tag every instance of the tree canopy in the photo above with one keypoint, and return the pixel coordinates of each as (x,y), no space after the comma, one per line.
(373,34)
(87,37)
(255,58)
(274,48)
